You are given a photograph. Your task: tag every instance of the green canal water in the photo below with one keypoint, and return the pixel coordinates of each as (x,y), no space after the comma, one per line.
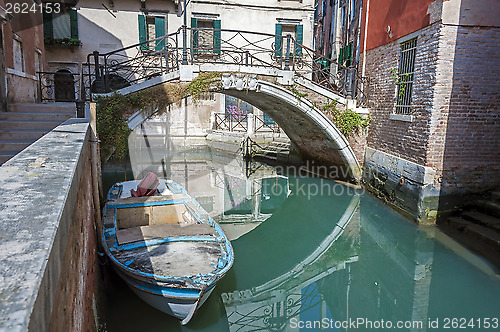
(312,255)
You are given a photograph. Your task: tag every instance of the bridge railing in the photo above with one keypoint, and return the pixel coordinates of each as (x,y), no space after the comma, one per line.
(242,123)
(139,62)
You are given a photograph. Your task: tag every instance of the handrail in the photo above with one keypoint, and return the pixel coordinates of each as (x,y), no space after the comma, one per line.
(164,54)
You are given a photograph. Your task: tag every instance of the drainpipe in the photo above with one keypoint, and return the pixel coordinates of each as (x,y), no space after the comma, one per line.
(363,71)
(364,41)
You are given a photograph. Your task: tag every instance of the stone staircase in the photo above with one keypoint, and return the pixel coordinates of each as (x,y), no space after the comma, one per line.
(276,150)
(23,124)
(477,225)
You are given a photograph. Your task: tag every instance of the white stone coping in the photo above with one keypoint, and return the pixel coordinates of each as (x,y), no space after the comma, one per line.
(35,215)
(20,74)
(401,117)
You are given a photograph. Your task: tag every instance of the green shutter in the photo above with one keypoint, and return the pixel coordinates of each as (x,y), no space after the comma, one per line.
(341,58)
(142,32)
(194,33)
(349,55)
(73,20)
(160,32)
(299,31)
(278,40)
(48,31)
(217,36)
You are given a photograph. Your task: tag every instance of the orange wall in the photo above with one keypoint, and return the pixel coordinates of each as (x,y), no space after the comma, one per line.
(30,28)
(403,16)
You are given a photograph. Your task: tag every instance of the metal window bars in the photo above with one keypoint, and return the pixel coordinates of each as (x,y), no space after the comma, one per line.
(405,77)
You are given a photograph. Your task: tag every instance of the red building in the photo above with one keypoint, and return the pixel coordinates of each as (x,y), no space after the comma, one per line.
(21,52)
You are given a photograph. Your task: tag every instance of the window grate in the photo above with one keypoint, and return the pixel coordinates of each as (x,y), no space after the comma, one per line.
(406,74)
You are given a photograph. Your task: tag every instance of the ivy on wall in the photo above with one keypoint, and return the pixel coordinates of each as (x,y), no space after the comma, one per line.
(112,110)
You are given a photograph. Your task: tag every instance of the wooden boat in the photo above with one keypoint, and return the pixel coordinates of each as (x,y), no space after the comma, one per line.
(166,247)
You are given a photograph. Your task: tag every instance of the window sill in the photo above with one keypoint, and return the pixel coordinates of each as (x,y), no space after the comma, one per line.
(401,117)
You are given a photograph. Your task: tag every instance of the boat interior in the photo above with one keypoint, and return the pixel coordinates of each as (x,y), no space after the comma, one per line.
(139,219)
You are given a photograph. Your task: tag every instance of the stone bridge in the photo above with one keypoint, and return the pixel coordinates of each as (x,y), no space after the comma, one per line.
(272,72)
(290,100)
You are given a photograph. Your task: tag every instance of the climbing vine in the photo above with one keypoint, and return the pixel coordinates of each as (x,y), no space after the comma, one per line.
(399,79)
(347,121)
(112,110)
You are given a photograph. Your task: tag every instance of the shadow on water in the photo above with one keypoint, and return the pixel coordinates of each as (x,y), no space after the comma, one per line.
(331,256)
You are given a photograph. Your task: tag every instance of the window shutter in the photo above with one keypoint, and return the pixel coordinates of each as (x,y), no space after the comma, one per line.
(278,40)
(73,21)
(299,32)
(194,33)
(341,58)
(349,55)
(217,37)
(48,31)
(160,32)
(142,32)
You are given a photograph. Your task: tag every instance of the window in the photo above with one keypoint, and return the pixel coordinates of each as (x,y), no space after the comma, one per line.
(151,27)
(296,31)
(17,49)
(38,60)
(61,28)
(206,36)
(405,76)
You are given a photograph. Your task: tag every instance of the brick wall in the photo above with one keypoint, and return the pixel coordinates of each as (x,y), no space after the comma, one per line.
(407,140)
(465,128)
(76,296)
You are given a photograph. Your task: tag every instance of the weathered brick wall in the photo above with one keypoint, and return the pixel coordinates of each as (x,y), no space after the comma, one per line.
(357,140)
(73,308)
(407,140)
(465,128)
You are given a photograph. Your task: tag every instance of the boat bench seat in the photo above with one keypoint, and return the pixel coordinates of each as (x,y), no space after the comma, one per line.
(142,233)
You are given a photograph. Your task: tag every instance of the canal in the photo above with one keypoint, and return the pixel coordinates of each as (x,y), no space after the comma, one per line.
(309,250)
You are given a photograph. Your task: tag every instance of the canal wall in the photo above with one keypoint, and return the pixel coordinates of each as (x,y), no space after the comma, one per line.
(48,243)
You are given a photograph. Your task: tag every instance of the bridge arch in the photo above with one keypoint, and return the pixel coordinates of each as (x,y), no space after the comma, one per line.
(314,135)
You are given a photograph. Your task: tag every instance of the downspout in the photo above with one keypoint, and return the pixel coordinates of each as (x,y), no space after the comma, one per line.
(364,41)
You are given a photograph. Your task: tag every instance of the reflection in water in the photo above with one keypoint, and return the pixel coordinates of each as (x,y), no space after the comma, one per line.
(332,257)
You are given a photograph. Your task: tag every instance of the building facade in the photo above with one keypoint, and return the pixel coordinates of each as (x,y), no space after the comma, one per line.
(434,101)
(89,26)
(21,53)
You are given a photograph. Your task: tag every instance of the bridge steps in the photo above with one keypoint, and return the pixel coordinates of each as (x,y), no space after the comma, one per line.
(477,226)
(23,124)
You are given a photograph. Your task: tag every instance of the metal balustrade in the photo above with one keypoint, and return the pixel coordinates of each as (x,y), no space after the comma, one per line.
(137,63)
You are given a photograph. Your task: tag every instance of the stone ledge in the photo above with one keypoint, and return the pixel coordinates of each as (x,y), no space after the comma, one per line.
(40,185)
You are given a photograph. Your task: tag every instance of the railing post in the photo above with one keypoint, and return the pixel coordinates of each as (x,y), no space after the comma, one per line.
(287,55)
(96,64)
(184,37)
(250,126)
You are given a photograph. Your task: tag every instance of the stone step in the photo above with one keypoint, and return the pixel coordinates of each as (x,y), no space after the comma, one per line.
(485,235)
(69,108)
(22,134)
(35,116)
(14,144)
(41,125)
(482,219)
(489,207)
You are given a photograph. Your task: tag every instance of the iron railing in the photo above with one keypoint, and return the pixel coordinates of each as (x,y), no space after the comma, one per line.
(240,123)
(58,86)
(139,62)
